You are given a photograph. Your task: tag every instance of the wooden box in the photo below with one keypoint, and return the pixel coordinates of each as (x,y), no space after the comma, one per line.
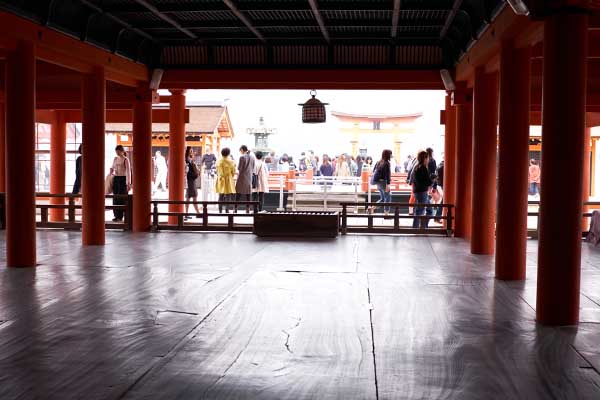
(297,224)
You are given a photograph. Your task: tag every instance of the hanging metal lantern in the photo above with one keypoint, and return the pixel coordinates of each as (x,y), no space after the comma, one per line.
(313,111)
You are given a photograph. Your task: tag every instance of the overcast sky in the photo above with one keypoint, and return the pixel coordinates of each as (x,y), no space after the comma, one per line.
(280,110)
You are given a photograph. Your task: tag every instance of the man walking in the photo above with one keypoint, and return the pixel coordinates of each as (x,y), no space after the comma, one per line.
(161,171)
(243,186)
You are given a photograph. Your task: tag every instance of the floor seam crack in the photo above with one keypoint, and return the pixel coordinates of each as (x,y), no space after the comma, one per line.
(372,339)
(288,335)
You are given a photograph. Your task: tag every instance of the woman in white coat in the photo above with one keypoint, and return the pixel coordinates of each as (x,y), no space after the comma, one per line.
(261,171)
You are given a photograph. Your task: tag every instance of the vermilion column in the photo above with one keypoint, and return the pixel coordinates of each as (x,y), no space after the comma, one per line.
(513,162)
(587,150)
(93,100)
(142,163)
(449,151)
(20,157)
(563,130)
(176,151)
(464,154)
(485,120)
(58,150)
(2,150)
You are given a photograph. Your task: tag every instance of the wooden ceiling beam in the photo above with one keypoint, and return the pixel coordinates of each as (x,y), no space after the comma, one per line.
(395,18)
(269,78)
(244,20)
(166,18)
(450,18)
(60,49)
(159,115)
(317,14)
(507,26)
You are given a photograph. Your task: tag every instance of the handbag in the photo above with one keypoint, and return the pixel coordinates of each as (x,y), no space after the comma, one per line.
(255,178)
(108,184)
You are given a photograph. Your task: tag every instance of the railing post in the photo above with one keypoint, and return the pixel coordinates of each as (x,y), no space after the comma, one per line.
(293,197)
(230,221)
(396,218)
(3,211)
(537,224)
(356,183)
(325,195)
(44,214)
(204,215)
(155,215)
(364,180)
(280,193)
(449,221)
(129,213)
(344,219)
(71,213)
(180,221)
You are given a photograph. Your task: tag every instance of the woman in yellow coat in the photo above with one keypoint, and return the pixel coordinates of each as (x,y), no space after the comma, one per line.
(225,183)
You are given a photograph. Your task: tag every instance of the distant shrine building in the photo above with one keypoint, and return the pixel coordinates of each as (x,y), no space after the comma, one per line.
(207,127)
(370,134)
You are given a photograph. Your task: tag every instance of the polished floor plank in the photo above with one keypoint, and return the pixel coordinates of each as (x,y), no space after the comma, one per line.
(282,336)
(469,342)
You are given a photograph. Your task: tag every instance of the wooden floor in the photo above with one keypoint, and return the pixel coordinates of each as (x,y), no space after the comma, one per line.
(230,316)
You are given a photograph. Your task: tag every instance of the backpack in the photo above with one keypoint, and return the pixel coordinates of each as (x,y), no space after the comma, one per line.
(376,176)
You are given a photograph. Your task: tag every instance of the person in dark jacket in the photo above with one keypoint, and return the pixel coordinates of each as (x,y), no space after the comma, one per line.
(77,183)
(359,165)
(192,173)
(421,183)
(440,174)
(431,164)
(440,185)
(382,177)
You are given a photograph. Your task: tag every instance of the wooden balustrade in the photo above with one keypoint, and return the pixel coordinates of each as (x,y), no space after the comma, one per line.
(72,206)
(445,229)
(204,215)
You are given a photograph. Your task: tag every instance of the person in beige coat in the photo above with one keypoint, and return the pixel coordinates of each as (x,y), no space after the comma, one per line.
(261,170)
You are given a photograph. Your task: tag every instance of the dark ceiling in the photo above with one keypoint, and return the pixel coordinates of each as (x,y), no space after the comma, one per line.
(416,34)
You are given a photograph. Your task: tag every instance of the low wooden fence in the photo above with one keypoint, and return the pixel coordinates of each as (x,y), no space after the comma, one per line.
(589,207)
(204,224)
(396,216)
(71,206)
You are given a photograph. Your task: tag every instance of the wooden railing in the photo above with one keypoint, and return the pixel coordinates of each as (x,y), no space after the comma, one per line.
(396,216)
(586,217)
(204,215)
(71,206)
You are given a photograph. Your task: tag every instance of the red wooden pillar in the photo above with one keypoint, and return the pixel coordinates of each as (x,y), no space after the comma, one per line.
(449,151)
(464,153)
(563,130)
(20,157)
(176,151)
(93,100)
(587,153)
(142,162)
(485,120)
(513,162)
(58,150)
(2,145)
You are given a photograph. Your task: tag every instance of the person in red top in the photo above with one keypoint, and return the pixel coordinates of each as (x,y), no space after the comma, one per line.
(534,178)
